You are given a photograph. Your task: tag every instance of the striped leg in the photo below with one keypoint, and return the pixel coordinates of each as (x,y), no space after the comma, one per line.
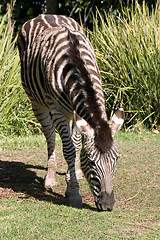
(44,118)
(76,138)
(62,124)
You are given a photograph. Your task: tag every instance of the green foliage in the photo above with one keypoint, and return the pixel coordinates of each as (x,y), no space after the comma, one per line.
(80,10)
(128,53)
(16,116)
(22,10)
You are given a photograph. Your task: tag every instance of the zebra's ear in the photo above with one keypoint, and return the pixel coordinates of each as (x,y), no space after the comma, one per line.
(83,126)
(117,121)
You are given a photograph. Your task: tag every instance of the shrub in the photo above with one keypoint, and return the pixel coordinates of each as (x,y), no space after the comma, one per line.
(128,53)
(16,116)
(127,48)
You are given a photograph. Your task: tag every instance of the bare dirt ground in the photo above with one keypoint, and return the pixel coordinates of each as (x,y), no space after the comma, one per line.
(22,174)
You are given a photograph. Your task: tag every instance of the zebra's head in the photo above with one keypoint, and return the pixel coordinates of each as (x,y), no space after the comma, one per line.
(98,164)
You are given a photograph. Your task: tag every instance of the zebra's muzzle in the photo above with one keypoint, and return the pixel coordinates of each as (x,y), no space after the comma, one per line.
(106,202)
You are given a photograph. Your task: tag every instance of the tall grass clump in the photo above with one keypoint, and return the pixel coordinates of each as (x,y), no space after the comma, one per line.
(16,116)
(127,48)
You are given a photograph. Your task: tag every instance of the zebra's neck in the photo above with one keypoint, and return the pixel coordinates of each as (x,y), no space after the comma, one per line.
(73,72)
(84,84)
(84,87)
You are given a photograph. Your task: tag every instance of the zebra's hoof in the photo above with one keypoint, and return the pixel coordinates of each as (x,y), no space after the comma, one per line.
(67,193)
(75,201)
(49,183)
(79,174)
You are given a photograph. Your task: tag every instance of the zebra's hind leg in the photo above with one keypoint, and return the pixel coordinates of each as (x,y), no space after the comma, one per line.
(45,119)
(62,124)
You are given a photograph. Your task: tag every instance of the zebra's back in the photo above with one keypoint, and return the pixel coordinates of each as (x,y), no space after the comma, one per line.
(58,66)
(37,25)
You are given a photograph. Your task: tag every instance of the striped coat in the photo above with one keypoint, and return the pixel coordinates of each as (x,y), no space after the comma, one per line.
(61,77)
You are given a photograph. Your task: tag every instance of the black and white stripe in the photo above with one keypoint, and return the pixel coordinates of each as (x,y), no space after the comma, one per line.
(61,77)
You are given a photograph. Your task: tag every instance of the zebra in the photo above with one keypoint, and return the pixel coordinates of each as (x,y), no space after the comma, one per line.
(62,80)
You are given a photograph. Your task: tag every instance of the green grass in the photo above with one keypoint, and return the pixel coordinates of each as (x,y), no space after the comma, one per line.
(30,212)
(127,48)
(16,116)
(45,221)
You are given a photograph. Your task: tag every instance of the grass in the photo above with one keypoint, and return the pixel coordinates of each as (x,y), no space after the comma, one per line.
(30,212)
(127,48)
(16,116)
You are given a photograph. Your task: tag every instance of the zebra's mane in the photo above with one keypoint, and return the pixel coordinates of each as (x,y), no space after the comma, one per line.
(103,136)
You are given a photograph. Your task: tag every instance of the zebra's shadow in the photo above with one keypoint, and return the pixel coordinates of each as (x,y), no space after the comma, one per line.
(22,178)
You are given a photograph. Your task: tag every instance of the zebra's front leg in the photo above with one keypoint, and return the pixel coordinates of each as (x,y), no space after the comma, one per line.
(45,119)
(50,180)
(76,138)
(72,192)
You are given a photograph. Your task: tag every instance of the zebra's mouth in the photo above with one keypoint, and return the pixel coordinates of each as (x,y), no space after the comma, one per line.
(106,202)
(101,207)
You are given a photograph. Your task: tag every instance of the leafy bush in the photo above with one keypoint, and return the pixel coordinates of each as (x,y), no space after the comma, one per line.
(128,54)
(16,116)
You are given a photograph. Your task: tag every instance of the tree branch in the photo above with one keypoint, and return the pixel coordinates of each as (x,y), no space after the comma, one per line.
(86,16)
(73,9)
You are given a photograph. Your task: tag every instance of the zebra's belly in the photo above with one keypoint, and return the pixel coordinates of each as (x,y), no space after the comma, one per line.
(57,102)
(52,102)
